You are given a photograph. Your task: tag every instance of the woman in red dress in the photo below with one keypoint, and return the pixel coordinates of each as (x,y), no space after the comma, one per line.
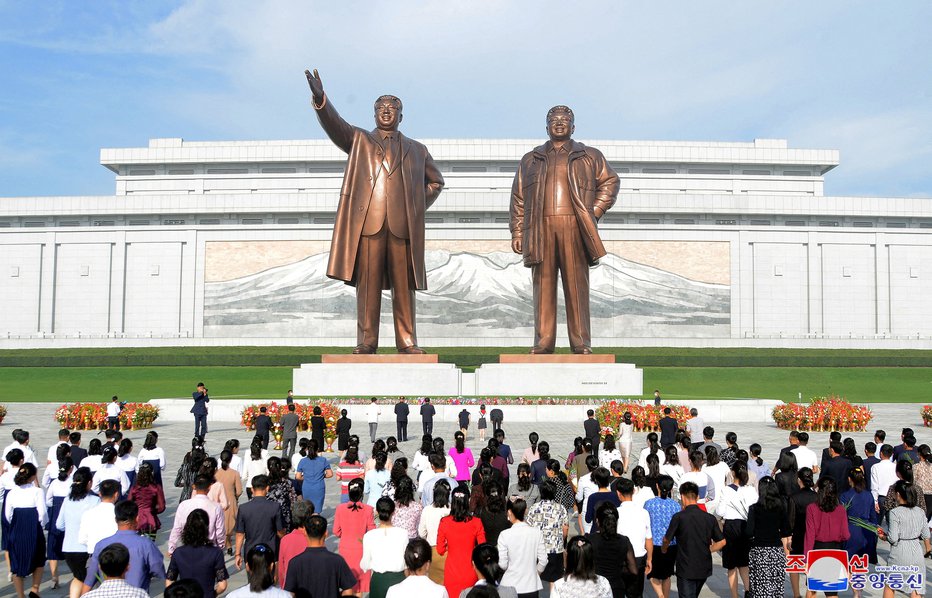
(350,523)
(458,534)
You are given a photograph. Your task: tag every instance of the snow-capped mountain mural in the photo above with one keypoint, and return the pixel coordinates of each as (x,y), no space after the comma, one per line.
(469,295)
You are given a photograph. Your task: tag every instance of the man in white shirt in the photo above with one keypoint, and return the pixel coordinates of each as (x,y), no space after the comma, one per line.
(634,523)
(21,442)
(805,456)
(521,552)
(373,411)
(586,487)
(113,414)
(883,473)
(199,500)
(694,427)
(99,522)
(52,455)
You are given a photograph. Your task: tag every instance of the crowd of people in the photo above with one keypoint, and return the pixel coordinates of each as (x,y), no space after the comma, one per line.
(609,520)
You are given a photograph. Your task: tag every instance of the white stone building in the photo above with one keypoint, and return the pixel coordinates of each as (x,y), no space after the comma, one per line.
(710,244)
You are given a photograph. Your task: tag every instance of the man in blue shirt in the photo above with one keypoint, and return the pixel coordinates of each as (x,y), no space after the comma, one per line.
(145,561)
(438,462)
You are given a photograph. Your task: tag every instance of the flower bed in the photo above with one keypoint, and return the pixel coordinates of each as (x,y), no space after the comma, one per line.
(305,411)
(926,415)
(823,414)
(93,416)
(645,417)
(486,400)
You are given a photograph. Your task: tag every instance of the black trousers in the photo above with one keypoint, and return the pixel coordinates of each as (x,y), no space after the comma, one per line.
(402,425)
(634,584)
(113,423)
(200,425)
(264,438)
(428,425)
(496,424)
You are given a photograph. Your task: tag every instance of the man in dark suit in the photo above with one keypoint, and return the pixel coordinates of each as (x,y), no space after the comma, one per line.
(870,450)
(427,416)
(401,419)
(826,452)
(837,467)
(593,430)
(263,427)
(77,453)
(497,418)
(378,236)
(199,410)
(668,427)
(657,397)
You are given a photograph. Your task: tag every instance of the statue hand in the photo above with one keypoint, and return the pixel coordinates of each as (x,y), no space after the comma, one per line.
(316,85)
(516,245)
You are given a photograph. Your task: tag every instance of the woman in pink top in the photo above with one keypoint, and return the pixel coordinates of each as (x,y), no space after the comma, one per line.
(350,523)
(826,522)
(462,457)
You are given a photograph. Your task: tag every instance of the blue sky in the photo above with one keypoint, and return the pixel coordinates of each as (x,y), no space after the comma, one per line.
(856,76)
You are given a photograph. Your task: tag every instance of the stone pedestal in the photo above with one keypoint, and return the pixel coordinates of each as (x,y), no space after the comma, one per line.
(377,375)
(560,375)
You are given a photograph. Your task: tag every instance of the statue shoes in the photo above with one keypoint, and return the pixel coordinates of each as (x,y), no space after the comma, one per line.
(364,350)
(412,350)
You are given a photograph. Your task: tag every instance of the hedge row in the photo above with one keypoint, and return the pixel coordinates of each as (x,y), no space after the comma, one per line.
(468,358)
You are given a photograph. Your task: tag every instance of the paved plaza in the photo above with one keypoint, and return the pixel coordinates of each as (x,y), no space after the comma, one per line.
(175,438)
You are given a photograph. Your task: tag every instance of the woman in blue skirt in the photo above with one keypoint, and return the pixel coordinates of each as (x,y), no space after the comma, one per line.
(14,459)
(58,490)
(26,512)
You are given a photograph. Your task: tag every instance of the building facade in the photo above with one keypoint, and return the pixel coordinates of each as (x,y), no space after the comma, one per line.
(225,243)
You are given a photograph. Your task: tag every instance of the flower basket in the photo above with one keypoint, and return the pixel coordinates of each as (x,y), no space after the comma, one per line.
(2,413)
(93,416)
(645,417)
(822,414)
(926,416)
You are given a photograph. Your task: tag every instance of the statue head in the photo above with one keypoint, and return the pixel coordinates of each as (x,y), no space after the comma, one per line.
(560,123)
(387,113)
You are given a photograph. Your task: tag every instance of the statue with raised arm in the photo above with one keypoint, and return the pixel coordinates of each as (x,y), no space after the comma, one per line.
(378,236)
(560,192)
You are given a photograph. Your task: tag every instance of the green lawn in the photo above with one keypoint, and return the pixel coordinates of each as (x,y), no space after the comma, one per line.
(70,384)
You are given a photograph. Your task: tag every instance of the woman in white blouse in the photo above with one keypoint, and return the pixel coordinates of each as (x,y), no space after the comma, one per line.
(94,455)
(625,439)
(652,448)
(152,454)
(109,471)
(580,580)
(255,464)
(609,453)
(671,466)
(55,495)
(79,501)
(27,515)
(383,551)
(430,523)
(126,461)
(417,557)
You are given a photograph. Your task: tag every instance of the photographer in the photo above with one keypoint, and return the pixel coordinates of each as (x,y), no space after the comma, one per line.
(200,410)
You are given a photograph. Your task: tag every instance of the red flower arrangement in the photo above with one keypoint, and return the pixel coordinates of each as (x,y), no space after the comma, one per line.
(926,415)
(822,414)
(93,416)
(329,412)
(645,417)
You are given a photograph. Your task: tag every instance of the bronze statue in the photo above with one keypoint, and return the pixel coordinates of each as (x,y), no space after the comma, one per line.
(378,237)
(561,190)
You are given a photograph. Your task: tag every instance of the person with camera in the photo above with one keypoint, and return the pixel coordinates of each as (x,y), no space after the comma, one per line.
(199,410)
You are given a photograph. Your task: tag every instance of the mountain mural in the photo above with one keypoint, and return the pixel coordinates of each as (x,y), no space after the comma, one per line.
(469,295)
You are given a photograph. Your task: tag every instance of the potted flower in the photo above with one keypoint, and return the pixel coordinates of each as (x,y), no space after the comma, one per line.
(2,413)
(926,416)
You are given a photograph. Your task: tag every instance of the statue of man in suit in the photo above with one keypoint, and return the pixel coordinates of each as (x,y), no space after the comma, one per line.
(378,237)
(561,190)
